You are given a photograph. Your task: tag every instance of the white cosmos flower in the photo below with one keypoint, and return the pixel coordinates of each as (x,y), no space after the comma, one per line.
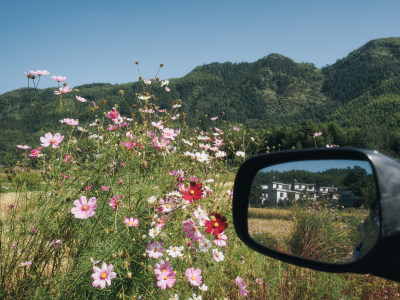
(175,251)
(240,154)
(152,199)
(164,82)
(187,142)
(204,288)
(202,157)
(218,256)
(220,154)
(204,245)
(153,232)
(147,81)
(141,97)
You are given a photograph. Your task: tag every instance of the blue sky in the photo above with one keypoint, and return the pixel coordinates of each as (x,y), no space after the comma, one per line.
(98,41)
(319,165)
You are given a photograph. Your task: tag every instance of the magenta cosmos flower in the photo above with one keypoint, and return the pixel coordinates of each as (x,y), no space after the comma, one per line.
(193,276)
(84,209)
(102,276)
(49,139)
(35,153)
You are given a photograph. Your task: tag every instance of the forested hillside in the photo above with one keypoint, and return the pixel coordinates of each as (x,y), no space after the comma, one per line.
(356,101)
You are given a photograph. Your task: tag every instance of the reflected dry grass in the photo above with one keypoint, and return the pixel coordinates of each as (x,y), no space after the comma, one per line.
(271,213)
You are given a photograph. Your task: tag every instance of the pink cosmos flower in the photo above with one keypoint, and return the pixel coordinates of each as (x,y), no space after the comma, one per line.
(105,188)
(220,240)
(158,124)
(191,230)
(112,127)
(49,139)
(40,72)
(193,276)
(25,264)
(113,114)
(58,78)
(70,122)
(24,147)
(102,276)
(213,118)
(55,243)
(35,153)
(67,158)
(160,222)
(218,256)
(84,209)
(317,134)
(154,249)
(160,143)
(131,145)
(113,202)
(131,222)
(80,99)
(163,268)
(169,133)
(166,280)
(236,128)
(63,90)
(242,286)
(259,281)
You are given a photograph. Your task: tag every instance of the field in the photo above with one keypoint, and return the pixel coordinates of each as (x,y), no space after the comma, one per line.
(139,207)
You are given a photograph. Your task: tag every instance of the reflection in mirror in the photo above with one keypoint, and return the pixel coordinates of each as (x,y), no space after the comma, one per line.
(322,210)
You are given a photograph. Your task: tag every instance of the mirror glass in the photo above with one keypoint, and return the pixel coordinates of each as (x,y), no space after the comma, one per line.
(322,210)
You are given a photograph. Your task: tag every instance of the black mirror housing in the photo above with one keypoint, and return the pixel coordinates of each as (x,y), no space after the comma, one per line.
(383,259)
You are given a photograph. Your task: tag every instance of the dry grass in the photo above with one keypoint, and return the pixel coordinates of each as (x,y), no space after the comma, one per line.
(271,232)
(271,213)
(19,200)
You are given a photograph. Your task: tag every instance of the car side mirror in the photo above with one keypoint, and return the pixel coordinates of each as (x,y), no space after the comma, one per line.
(334,210)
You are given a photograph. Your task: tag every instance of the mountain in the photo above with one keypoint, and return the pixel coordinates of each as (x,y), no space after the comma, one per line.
(359,94)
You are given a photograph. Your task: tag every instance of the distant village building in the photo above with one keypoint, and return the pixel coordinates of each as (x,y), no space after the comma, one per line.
(274,192)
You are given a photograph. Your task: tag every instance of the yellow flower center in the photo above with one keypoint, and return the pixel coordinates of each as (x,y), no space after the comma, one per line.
(103,275)
(130,223)
(164,270)
(193,278)
(155,250)
(167,206)
(191,192)
(155,232)
(52,141)
(165,277)
(218,236)
(85,207)
(216,224)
